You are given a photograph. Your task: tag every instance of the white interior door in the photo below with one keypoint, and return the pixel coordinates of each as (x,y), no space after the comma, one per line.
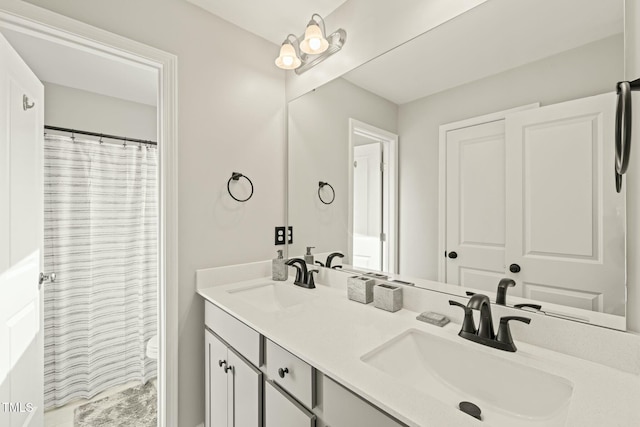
(367,206)
(21,241)
(475,200)
(564,219)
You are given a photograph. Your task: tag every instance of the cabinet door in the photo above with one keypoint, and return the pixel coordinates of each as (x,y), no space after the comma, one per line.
(282,411)
(216,385)
(246,399)
(344,409)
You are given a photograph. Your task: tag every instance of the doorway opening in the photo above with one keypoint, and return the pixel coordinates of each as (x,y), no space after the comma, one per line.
(49,43)
(373,197)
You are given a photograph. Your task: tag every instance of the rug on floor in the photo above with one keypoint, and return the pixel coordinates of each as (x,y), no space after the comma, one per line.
(133,407)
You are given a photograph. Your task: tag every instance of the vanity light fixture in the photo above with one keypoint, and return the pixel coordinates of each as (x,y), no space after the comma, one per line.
(314,37)
(314,48)
(289,58)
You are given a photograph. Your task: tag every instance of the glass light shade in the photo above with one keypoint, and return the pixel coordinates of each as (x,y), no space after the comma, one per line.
(288,59)
(314,41)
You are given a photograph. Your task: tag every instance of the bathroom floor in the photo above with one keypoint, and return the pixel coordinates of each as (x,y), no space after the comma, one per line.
(64,416)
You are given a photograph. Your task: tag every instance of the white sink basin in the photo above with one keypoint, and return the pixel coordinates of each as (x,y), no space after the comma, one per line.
(507,392)
(273,296)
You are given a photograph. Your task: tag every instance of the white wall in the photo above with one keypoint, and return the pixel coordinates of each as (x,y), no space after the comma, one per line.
(78,109)
(374,27)
(231,103)
(318,151)
(584,71)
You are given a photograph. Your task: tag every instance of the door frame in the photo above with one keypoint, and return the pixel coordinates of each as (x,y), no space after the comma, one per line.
(390,142)
(42,23)
(442,174)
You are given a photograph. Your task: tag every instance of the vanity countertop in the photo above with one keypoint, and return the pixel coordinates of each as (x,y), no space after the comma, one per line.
(332,333)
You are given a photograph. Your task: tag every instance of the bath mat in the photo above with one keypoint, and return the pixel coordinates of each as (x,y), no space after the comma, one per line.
(133,407)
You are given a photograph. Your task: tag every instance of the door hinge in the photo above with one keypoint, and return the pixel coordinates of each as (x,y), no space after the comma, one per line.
(46,277)
(355,163)
(381,166)
(383,237)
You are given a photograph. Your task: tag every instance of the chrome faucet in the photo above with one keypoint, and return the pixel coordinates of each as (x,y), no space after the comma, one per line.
(484,333)
(304,277)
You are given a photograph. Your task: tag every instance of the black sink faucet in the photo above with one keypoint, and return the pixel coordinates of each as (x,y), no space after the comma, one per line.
(331,257)
(481,302)
(503,285)
(304,278)
(301,270)
(484,334)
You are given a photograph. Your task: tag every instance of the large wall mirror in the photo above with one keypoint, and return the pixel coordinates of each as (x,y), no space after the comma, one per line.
(478,151)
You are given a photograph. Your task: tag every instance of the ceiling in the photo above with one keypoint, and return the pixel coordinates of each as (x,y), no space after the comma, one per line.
(494,37)
(66,66)
(271,20)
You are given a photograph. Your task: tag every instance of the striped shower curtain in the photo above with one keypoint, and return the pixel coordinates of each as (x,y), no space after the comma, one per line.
(101,234)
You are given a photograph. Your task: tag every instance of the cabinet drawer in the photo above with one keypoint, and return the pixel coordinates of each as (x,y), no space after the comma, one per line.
(291,373)
(281,410)
(238,335)
(342,408)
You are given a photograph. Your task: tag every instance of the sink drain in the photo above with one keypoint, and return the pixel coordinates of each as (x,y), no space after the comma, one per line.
(471,409)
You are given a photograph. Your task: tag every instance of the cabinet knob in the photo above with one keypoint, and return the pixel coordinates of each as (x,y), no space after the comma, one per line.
(453,255)
(514,268)
(282,372)
(222,362)
(228,368)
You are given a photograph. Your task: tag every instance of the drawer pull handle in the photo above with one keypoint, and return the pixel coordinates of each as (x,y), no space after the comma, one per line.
(222,362)
(282,372)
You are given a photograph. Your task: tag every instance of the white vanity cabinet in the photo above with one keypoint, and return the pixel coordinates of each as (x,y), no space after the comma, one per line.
(233,387)
(288,392)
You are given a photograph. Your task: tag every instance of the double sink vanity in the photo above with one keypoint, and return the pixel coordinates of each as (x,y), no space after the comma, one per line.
(287,356)
(472,167)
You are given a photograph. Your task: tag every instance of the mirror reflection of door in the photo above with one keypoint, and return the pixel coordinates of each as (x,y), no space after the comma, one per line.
(372,197)
(476,205)
(367,203)
(532,191)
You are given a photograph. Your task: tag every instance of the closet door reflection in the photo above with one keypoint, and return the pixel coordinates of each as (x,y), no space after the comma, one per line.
(565,221)
(476,205)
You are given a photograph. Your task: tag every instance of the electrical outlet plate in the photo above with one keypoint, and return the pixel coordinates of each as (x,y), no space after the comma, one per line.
(279,236)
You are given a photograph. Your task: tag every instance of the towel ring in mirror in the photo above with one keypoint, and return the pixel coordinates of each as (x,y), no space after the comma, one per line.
(321,185)
(235,176)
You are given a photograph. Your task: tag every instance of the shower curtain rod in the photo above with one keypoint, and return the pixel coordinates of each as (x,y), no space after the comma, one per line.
(101,135)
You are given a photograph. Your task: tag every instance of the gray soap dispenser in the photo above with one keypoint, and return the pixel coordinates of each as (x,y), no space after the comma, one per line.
(308,257)
(279,270)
